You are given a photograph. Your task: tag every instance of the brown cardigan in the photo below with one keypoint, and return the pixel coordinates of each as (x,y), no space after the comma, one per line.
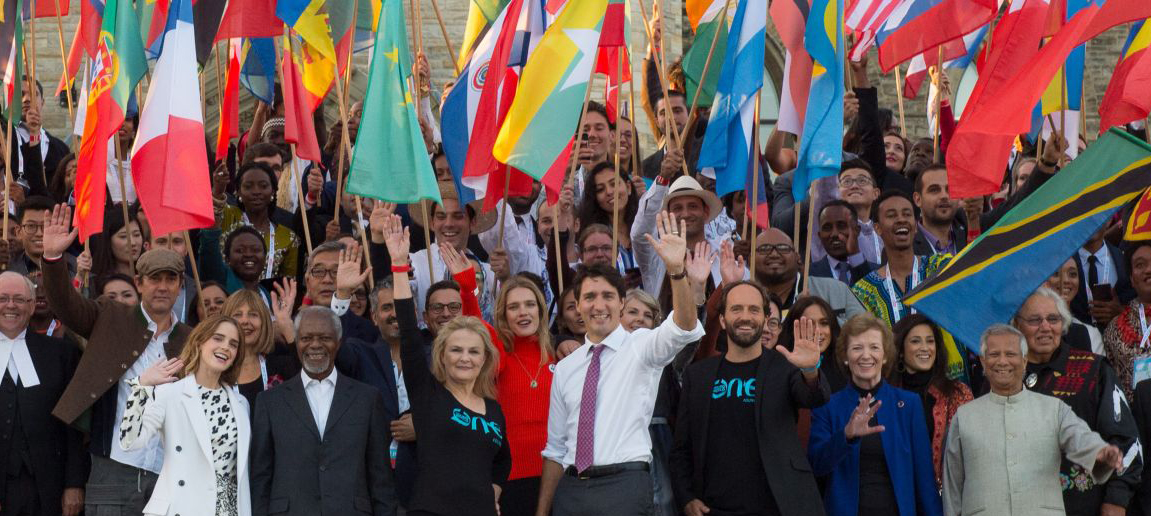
(116,334)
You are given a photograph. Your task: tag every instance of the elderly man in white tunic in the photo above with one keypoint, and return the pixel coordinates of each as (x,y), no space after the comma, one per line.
(1004,448)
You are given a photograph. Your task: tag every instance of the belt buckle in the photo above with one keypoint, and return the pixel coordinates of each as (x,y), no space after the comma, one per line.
(584,475)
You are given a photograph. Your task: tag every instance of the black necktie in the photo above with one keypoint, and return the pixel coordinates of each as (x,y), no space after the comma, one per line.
(1092,271)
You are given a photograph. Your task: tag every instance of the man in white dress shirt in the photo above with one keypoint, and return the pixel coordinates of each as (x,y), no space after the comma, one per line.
(598,449)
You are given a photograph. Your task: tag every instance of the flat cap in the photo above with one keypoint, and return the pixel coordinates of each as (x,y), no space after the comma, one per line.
(160,260)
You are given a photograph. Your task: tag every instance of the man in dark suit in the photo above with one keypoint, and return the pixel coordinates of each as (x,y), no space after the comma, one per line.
(838,228)
(1101,263)
(46,466)
(320,284)
(319,441)
(736,447)
(941,229)
(123,341)
(40,152)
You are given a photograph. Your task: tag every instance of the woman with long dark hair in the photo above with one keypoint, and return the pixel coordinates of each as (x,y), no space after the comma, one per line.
(63,182)
(118,247)
(606,191)
(826,334)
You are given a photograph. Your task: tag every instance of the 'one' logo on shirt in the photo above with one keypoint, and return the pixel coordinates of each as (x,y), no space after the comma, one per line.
(477,424)
(743,388)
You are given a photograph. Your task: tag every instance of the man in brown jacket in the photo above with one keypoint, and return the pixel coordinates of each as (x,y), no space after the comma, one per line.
(123,341)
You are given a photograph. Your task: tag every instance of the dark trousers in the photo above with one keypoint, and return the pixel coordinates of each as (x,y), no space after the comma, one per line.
(116,489)
(624,494)
(20,495)
(520,497)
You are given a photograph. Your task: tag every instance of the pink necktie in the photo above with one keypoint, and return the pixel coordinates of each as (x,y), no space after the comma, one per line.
(585,440)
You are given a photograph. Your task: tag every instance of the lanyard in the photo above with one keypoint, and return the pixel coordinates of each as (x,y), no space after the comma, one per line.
(897,302)
(264,373)
(270,259)
(52,328)
(1143,327)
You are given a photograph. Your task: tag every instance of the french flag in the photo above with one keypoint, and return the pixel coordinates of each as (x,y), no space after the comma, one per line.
(169,158)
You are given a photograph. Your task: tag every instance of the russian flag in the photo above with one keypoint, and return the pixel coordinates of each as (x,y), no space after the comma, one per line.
(169,159)
(916,26)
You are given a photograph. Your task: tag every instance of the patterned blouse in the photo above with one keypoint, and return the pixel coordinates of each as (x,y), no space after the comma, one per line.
(284,244)
(224,436)
(1121,342)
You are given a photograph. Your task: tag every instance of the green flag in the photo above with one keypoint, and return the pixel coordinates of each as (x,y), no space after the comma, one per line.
(391,162)
(713,29)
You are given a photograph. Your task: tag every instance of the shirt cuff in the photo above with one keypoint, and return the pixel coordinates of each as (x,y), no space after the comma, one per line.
(693,334)
(340,306)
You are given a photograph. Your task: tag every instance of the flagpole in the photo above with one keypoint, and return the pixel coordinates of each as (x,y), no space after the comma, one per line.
(295,161)
(428,238)
(811,202)
(64,59)
(703,77)
(364,243)
(574,159)
(938,103)
(753,201)
(1063,101)
(31,56)
(219,81)
(345,140)
(616,179)
(635,162)
(447,40)
(899,99)
(195,270)
(8,170)
(669,131)
(119,175)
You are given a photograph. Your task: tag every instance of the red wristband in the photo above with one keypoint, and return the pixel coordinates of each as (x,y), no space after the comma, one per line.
(401,268)
(662,181)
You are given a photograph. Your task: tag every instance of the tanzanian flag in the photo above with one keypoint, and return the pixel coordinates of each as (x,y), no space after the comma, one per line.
(991,278)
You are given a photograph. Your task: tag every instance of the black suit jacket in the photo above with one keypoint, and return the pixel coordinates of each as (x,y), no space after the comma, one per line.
(780,391)
(1123,288)
(923,248)
(56,454)
(822,269)
(293,472)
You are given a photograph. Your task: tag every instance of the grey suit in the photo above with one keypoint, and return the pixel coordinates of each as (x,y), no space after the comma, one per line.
(294,472)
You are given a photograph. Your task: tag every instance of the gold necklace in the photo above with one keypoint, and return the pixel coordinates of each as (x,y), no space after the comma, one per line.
(534,383)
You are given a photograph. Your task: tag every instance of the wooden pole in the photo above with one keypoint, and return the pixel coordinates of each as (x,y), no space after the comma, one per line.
(1063,103)
(119,175)
(280,54)
(899,99)
(1146,130)
(813,199)
(64,59)
(31,56)
(616,179)
(428,239)
(345,140)
(364,244)
(751,202)
(447,40)
(636,164)
(576,143)
(669,129)
(195,270)
(706,64)
(504,208)
(938,103)
(8,172)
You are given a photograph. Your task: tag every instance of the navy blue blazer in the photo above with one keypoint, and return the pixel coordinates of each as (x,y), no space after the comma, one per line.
(906,446)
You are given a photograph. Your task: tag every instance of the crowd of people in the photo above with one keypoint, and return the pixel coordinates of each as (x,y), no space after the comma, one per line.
(314,353)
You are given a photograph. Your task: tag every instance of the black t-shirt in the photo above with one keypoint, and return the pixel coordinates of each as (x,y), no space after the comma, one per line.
(734,480)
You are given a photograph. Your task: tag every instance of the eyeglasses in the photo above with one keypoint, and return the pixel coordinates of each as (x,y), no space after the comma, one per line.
(1035,321)
(855,181)
(438,308)
(319,273)
(360,294)
(31,227)
(773,324)
(20,300)
(782,249)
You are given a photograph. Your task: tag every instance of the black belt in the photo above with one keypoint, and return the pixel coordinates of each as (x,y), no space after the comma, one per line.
(610,469)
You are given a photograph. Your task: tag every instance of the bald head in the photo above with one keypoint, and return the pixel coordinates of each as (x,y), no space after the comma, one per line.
(776,259)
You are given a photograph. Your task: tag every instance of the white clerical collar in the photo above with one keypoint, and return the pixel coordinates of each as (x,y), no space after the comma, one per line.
(14,358)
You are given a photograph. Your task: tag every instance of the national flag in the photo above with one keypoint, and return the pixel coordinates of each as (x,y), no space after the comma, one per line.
(481,14)
(207,14)
(1139,223)
(72,65)
(918,26)
(11,58)
(229,126)
(917,68)
(727,145)
(309,18)
(613,43)
(91,20)
(299,103)
(865,18)
(249,19)
(395,167)
(976,159)
(153,16)
(118,66)
(1018,254)
(546,108)
(258,68)
(821,147)
(169,163)
(344,18)
(790,19)
(710,26)
(1126,99)
(47,8)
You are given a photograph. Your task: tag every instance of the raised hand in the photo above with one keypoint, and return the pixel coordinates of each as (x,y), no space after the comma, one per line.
(500,263)
(378,220)
(397,239)
(283,297)
(805,352)
(1053,150)
(455,261)
(57,237)
(850,106)
(162,372)
(699,262)
(731,266)
(315,181)
(638,184)
(860,423)
(348,275)
(671,245)
(220,180)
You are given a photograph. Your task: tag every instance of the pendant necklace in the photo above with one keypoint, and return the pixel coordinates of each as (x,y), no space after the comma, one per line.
(533,383)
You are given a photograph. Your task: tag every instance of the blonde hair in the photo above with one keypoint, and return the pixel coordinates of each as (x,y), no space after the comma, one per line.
(190,355)
(504,330)
(264,342)
(486,381)
(637,294)
(858,325)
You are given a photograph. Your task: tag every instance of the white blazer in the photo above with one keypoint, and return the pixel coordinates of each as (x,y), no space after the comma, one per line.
(187,481)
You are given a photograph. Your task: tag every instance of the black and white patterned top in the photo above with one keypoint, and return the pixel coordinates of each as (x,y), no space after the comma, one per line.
(223,434)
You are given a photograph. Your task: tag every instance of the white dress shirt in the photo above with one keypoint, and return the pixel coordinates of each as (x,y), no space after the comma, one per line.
(15,358)
(519,242)
(650,264)
(423,281)
(150,456)
(1105,268)
(320,394)
(630,368)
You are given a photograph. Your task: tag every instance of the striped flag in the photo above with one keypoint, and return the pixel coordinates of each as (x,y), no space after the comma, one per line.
(1126,98)
(708,23)
(821,148)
